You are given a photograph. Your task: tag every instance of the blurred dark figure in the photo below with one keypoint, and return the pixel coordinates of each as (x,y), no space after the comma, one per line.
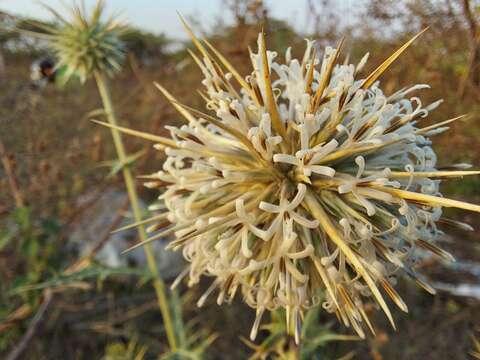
(42,72)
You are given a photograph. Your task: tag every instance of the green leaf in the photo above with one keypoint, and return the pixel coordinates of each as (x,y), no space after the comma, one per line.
(176,305)
(6,235)
(50,226)
(21,216)
(95,272)
(118,165)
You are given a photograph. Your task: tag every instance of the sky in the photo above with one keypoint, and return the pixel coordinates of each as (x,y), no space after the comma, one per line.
(159,16)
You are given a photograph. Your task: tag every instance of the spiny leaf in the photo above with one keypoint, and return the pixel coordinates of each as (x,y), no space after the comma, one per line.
(194,39)
(386,64)
(159,236)
(309,78)
(175,103)
(432,174)
(323,275)
(158,139)
(429,199)
(270,99)
(435,249)
(326,77)
(118,165)
(143,222)
(394,295)
(231,69)
(443,123)
(235,133)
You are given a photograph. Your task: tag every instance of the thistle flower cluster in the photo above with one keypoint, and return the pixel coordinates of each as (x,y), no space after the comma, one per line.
(305,185)
(85,44)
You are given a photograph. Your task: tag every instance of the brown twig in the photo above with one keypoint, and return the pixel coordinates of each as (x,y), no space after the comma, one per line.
(17,352)
(472,23)
(475,49)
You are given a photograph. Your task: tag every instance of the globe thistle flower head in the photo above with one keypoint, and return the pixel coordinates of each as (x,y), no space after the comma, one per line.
(86,42)
(303,185)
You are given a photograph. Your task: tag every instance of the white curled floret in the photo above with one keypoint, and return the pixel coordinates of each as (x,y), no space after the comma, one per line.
(306,160)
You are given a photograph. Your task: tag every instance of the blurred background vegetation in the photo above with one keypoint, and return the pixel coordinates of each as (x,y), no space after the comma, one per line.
(56,167)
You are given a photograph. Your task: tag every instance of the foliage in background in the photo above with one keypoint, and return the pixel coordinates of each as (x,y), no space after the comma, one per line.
(278,344)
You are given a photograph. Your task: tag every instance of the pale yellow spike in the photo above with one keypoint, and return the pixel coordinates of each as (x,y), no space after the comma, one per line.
(270,99)
(323,274)
(158,236)
(435,249)
(203,96)
(429,199)
(205,69)
(328,73)
(194,39)
(174,102)
(146,221)
(384,66)
(431,174)
(232,70)
(347,300)
(235,133)
(425,286)
(367,321)
(209,227)
(351,151)
(311,70)
(288,315)
(219,69)
(196,59)
(384,251)
(394,295)
(155,138)
(209,58)
(440,124)
(357,149)
(319,213)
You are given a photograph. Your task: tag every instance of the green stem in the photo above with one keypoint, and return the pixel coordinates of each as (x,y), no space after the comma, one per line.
(158,284)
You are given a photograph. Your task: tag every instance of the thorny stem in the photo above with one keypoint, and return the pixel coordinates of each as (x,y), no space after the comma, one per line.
(158,283)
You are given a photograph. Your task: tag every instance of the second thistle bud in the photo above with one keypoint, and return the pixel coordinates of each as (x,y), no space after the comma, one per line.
(86,43)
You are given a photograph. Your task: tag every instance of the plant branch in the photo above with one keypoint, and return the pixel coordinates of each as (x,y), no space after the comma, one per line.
(158,283)
(17,352)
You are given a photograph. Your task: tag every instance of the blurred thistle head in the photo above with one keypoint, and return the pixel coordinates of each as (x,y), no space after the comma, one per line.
(303,184)
(85,42)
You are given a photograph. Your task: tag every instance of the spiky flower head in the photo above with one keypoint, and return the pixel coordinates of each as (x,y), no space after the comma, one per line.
(85,43)
(305,185)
